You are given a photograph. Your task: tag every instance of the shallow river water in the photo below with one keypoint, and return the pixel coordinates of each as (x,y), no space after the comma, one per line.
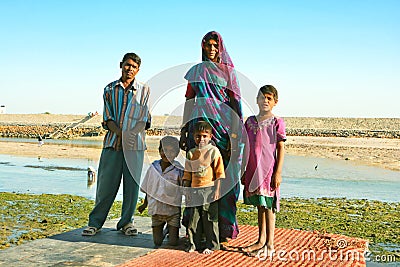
(332,178)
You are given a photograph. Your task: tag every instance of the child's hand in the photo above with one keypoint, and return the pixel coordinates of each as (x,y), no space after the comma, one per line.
(216,195)
(188,200)
(183,139)
(141,208)
(186,193)
(276,180)
(242,178)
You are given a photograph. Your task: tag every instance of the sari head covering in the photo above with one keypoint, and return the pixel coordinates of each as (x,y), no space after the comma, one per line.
(223,56)
(223,67)
(214,84)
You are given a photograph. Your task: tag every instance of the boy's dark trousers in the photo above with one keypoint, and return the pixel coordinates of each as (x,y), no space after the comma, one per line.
(204,220)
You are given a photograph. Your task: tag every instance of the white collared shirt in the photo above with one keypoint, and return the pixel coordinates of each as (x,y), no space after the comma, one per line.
(163,189)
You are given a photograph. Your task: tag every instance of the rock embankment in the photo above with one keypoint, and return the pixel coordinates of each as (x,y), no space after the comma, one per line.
(49,126)
(33,131)
(72,126)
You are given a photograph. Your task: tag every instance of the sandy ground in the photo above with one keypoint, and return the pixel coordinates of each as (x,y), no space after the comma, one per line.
(383,153)
(380,152)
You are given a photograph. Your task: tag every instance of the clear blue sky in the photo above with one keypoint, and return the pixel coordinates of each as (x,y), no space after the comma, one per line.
(327,58)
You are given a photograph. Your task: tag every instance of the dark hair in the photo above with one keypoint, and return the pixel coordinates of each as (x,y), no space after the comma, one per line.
(214,36)
(269,89)
(170,141)
(202,126)
(132,56)
(211,35)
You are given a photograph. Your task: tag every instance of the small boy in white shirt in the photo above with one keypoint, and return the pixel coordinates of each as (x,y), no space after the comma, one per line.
(163,192)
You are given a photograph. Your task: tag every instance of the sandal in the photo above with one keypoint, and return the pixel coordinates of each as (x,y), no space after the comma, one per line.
(90,231)
(129,230)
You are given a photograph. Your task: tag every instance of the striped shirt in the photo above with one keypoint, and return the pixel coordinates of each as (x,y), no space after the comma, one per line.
(126,107)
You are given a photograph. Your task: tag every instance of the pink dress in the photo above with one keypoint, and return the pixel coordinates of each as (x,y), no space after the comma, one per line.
(263,137)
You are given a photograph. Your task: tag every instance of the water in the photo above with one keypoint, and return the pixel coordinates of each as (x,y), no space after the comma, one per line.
(332,178)
(53,176)
(335,178)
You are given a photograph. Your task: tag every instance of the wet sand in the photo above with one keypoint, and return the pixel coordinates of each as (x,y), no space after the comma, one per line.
(382,153)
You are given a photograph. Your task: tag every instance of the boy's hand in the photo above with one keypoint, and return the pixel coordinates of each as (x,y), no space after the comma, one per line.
(141,208)
(276,180)
(183,139)
(216,195)
(188,199)
(242,178)
(217,189)
(185,192)
(140,126)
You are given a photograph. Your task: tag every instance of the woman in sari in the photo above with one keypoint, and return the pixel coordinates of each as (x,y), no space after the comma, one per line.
(213,95)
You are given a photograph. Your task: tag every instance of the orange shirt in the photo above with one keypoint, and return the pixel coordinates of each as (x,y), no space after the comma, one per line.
(203,166)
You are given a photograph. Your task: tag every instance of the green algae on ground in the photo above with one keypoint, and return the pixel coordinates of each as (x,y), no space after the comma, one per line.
(378,222)
(28,217)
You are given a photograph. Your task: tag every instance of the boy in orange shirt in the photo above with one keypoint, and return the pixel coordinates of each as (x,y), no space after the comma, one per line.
(203,170)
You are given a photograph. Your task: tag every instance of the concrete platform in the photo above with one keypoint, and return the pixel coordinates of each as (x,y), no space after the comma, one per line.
(112,248)
(108,248)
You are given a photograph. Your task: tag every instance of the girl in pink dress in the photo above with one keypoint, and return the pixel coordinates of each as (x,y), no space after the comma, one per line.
(262,177)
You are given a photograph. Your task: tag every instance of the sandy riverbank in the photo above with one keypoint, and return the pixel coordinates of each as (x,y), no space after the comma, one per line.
(383,153)
(315,137)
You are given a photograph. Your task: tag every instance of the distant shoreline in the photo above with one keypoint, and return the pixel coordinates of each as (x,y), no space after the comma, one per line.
(73,126)
(377,150)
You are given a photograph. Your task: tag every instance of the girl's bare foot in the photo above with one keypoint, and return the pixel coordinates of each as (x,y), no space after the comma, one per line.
(261,252)
(269,250)
(255,246)
(208,251)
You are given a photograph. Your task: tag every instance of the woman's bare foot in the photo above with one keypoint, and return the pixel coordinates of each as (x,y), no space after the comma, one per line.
(208,251)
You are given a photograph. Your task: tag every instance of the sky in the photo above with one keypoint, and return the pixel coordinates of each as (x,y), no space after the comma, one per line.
(327,58)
